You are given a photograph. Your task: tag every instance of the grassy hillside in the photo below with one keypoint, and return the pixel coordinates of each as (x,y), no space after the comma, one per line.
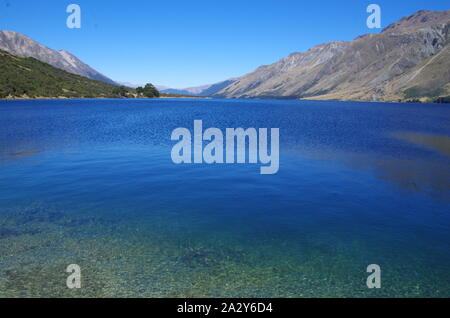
(29,78)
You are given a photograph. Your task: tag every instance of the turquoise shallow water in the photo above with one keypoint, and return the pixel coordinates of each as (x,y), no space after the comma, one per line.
(91,182)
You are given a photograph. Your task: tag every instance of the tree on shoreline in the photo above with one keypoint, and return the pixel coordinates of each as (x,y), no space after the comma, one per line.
(121,91)
(149,91)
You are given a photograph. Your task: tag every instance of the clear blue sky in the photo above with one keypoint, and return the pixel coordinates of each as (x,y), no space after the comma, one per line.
(181,43)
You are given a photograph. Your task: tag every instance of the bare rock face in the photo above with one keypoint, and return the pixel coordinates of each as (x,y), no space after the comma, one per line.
(419,20)
(21,45)
(410,54)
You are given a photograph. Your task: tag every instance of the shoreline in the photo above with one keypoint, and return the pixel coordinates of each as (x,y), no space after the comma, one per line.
(100,98)
(208,97)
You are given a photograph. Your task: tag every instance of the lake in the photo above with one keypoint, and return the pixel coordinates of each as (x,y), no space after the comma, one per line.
(92,183)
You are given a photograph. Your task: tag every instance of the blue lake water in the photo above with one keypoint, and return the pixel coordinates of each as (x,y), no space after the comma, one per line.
(91,182)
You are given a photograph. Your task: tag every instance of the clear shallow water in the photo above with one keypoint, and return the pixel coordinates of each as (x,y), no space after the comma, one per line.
(92,183)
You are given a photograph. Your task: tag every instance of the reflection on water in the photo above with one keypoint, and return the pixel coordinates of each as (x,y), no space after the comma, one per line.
(414,175)
(417,174)
(9,157)
(433,142)
(23,153)
(430,177)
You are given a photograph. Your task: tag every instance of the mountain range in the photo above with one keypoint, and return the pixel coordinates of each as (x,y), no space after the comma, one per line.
(21,45)
(409,59)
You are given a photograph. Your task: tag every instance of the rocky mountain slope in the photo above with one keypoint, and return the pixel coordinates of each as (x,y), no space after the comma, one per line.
(21,45)
(409,59)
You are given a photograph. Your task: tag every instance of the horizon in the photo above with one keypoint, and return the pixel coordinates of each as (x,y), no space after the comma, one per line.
(213,49)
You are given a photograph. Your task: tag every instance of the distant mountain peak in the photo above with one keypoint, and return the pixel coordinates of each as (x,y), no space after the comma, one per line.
(204,90)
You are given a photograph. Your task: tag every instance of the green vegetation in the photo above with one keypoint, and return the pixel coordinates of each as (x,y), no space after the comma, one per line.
(443,100)
(414,95)
(30,78)
(414,100)
(416,91)
(122,92)
(148,91)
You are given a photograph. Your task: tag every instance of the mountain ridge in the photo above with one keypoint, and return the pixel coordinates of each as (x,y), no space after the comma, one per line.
(372,67)
(22,45)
